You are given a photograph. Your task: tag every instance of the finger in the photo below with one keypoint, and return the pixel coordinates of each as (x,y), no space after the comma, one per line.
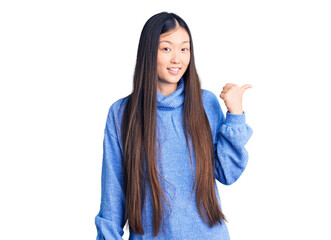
(225,90)
(245,86)
(230,84)
(222,95)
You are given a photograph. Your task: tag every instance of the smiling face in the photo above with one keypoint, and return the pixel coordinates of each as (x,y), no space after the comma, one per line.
(173,56)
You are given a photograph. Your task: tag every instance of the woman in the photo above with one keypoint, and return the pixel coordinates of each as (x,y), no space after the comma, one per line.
(167,142)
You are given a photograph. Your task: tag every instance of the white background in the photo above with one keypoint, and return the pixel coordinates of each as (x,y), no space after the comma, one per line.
(63,63)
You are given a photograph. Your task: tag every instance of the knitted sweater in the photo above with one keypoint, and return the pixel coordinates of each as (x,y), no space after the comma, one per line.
(183,221)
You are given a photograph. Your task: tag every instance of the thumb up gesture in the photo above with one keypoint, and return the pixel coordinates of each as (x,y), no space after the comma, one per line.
(232,95)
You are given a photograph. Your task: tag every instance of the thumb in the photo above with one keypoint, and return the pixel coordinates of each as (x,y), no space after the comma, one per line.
(245,86)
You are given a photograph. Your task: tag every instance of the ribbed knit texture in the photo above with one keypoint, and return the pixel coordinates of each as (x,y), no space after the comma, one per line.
(182,220)
(174,100)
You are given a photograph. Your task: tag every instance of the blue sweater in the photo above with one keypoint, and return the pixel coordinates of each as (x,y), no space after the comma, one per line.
(183,221)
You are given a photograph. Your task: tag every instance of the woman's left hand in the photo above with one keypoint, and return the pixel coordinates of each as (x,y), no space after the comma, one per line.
(232,95)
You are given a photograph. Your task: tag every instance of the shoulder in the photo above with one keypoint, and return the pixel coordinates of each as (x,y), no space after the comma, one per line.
(212,108)
(117,107)
(115,114)
(210,100)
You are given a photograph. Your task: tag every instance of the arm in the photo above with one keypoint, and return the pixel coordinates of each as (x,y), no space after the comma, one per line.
(110,219)
(230,155)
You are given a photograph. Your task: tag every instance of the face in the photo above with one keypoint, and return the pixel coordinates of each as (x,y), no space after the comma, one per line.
(173,55)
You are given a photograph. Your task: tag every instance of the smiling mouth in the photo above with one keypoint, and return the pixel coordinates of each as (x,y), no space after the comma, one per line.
(174,69)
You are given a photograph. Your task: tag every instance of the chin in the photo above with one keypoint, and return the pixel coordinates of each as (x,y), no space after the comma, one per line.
(171,79)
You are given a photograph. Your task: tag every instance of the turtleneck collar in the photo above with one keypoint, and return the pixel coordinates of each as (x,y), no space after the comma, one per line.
(174,100)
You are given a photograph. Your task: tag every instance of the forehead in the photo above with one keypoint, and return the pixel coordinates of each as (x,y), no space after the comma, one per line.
(176,36)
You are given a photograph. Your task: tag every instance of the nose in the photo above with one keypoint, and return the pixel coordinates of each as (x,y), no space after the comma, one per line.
(174,57)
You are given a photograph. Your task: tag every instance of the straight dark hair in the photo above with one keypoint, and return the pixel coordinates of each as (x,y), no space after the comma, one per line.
(139,132)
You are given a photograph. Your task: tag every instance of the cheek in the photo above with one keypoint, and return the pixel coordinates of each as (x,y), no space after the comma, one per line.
(161,61)
(160,67)
(187,60)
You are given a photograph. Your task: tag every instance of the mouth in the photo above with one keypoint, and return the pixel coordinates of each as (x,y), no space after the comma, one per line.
(174,71)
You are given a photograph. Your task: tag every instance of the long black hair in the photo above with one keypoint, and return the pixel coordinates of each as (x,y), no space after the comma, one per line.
(139,132)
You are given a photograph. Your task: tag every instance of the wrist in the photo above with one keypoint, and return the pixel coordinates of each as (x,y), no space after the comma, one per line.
(236,112)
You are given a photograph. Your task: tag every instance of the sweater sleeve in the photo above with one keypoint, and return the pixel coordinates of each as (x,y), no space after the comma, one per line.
(230,155)
(110,219)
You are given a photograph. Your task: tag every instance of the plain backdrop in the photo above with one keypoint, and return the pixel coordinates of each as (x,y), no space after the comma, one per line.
(63,63)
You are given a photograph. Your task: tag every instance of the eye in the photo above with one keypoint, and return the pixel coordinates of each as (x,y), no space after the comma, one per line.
(165,48)
(185,48)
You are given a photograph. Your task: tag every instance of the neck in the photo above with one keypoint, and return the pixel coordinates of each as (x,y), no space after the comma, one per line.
(166,88)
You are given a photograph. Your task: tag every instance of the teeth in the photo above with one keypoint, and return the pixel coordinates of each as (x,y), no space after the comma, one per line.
(174,69)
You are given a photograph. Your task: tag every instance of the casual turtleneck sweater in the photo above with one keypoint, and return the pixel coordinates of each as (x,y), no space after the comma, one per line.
(181,219)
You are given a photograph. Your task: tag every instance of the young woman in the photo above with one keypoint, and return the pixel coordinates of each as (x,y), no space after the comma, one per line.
(167,142)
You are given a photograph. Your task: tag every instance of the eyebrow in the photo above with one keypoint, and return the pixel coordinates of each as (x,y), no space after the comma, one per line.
(171,42)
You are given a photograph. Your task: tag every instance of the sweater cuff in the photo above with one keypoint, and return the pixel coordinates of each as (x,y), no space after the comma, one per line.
(235,119)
